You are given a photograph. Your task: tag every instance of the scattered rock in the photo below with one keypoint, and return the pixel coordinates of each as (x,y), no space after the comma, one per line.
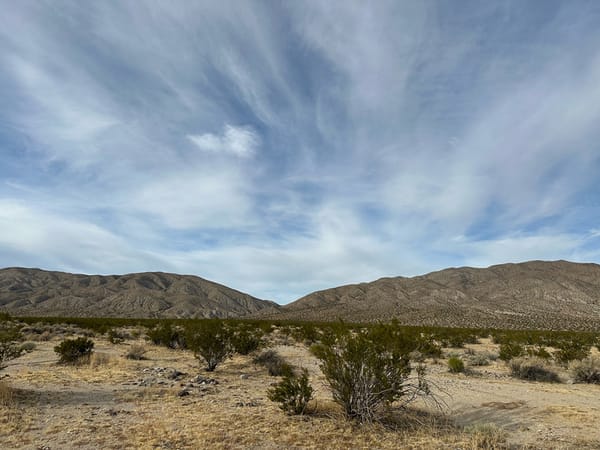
(251,403)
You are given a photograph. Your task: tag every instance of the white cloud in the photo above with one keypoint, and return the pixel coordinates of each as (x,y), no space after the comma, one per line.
(211,196)
(238,141)
(31,233)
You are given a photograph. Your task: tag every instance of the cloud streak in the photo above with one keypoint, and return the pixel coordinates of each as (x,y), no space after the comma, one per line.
(237,141)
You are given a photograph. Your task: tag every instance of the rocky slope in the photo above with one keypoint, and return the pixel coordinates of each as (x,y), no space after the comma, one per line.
(536,294)
(35,292)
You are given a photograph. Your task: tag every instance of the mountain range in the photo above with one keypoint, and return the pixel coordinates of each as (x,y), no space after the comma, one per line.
(35,292)
(535,294)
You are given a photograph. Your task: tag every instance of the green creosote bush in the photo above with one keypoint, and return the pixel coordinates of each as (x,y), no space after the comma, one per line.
(511,350)
(539,351)
(167,335)
(245,341)
(73,351)
(210,340)
(274,363)
(532,369)
(366,374)
(586,370)
(9,342)
(292,393)
(456,365)
(570,351)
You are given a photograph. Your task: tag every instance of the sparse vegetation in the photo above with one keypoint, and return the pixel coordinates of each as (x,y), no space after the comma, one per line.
(292,393)
(72,351)
(361,359)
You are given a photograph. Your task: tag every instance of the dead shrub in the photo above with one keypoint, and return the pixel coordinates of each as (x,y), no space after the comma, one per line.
(586,371)
(274,363)
(136,352)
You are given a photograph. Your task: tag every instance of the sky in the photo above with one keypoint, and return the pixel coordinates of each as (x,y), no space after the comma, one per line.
(281,147)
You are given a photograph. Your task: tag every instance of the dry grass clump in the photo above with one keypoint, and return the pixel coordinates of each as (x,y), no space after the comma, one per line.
(479,359)
(97,359)
(136,352)
(175,426)
(6,395)
(486,436)
(533,369)
(586,370)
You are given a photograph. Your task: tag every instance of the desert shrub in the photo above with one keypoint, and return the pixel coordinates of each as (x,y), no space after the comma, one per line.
(306,333)
(571,350)
(209,340)
(510,350)
(292,393)
(532,369)
(427,347)
(274,363)
(538,351)
(167,335)
(74,350)
(480,359)
(456,365)
(116,336)
(27,347)
(366,374)
(136,352)
(245,341)
(8,351)
(586,370)
(9,343)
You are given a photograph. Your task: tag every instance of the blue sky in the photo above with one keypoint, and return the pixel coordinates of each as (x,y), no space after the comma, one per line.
(284,147)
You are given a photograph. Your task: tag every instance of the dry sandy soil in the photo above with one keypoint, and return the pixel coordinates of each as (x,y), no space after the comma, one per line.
(115,403)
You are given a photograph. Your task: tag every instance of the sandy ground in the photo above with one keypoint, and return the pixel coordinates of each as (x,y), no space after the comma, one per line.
(115,403)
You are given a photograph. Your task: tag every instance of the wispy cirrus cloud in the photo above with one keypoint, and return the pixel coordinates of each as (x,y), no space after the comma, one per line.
(238,141)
